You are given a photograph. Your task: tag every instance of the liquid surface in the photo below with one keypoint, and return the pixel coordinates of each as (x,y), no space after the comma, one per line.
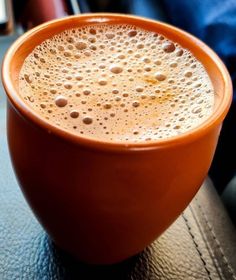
(116,83)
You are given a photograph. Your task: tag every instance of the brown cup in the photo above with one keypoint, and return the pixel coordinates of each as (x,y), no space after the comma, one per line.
(101,201)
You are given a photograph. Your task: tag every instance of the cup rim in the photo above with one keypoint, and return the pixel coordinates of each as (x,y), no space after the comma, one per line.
(214,119)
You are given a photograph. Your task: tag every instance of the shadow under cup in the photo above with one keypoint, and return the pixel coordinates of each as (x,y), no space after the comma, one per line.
(101,201)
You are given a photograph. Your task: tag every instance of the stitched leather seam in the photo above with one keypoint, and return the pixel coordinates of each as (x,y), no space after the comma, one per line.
(196,246)
(210,251)
(225,260)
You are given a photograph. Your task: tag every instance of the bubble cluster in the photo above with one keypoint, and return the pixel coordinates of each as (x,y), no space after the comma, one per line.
(117,83)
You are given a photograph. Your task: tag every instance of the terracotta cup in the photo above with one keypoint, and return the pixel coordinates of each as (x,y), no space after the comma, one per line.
(101,201)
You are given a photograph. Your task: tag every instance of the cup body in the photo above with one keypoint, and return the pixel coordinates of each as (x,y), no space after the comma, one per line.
(104,202)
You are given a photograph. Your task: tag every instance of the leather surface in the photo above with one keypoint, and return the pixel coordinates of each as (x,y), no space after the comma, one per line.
(201,244)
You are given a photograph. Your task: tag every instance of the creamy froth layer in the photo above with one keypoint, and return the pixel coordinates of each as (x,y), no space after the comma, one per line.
(117,83)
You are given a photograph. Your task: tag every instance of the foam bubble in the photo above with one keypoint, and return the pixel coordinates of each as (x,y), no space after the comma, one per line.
(160,76)
(87,120)
(168,47)
(67,54)
(74,114)
(102,66)
(86,92)
(196,110)
(132,33)
(93,31)
(81,46)
(68,86)
(157,62)
(61,101)
(115,91)
(173,64)
(28,78)
(188,74)
(147,69)
(121,56)
(139,89)
(53,91)
(79,77)
(136,104)
(87,53)
(115,68)
(179,52)
(140,46)
(107,106)
(110,35)
(102,82)
(146,60)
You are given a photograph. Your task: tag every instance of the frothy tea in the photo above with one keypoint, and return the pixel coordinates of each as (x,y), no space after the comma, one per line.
(116,83)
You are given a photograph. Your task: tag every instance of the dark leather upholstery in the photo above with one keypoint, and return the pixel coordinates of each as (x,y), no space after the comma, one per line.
(201,244)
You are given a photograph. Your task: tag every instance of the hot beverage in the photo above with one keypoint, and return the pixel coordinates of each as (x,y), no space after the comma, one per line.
(116,82)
